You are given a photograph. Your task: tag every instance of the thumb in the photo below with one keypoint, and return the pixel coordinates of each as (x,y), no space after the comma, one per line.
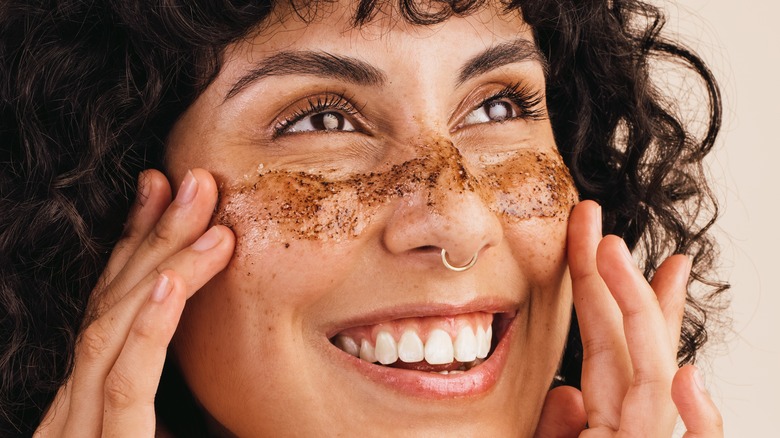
(563,414)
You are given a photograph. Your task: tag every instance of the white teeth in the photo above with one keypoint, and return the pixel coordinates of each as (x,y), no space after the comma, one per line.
(468,347)
(367,351)
(438,348)
(465,346)
(348,344)
(410,347)
(484,338)
(386,349)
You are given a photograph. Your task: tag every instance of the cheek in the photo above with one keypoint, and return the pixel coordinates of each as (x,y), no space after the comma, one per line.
(531,184)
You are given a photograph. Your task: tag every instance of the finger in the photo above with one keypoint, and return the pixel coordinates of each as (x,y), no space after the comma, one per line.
(652,357)
(101,343)
(670,284)
(56,415)
(693,401)
(133,380)
(152,198)
(185,219)
(606,372)
(563,414)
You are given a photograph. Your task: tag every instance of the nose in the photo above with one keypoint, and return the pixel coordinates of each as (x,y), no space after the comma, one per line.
(439,216)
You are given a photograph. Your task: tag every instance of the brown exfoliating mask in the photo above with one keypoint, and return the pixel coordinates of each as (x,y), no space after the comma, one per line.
(280,206)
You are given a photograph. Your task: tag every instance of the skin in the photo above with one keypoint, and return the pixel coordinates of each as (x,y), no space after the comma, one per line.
(253,343)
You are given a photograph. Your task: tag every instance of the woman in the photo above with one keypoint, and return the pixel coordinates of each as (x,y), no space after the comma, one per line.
(374,224)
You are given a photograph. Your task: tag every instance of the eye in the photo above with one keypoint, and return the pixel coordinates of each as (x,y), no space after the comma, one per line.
(322,113)
(324,121)
(515,101)
(491,111)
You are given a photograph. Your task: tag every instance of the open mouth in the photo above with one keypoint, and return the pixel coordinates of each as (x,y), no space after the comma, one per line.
(436,344)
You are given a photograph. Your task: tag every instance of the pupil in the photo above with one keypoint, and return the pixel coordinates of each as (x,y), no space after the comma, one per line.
(498,111)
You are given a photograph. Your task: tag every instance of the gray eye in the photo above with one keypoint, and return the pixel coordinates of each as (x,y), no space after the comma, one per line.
(325,121)
(493,111)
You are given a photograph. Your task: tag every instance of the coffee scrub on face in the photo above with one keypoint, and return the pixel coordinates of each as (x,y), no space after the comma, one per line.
(279,205)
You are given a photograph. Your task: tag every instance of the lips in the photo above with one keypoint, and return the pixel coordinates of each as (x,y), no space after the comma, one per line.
(430,356)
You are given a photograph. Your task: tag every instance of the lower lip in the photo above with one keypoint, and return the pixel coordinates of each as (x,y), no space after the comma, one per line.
(434,386)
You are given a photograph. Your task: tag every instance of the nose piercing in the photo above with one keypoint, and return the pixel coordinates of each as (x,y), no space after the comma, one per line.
(467,266)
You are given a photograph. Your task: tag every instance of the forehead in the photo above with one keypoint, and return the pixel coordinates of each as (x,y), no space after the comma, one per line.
(330,27)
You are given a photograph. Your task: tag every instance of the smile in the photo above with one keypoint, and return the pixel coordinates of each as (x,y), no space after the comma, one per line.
(431,356)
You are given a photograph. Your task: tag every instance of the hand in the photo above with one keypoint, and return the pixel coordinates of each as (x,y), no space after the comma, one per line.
(164,257)
(630,331)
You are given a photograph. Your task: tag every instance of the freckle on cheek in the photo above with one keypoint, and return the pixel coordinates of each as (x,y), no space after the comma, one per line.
(278,206)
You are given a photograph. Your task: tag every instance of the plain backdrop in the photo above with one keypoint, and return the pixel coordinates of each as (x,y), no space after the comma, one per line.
(741,43)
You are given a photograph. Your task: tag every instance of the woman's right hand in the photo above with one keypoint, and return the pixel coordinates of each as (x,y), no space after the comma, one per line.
(165,255)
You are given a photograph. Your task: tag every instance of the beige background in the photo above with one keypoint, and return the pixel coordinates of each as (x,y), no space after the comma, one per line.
(741,41)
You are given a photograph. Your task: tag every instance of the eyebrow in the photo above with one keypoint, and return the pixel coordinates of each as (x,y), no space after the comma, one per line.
(321,64)
(359,72)
(510,52)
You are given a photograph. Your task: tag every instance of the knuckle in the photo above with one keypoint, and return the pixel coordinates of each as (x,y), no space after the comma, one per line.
(652,381)
(145,331)
(94,342)
(119,390)
(593,348)
(163,236)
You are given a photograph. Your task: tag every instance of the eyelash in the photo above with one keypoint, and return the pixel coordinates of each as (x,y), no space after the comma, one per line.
(527,100)
(315,105)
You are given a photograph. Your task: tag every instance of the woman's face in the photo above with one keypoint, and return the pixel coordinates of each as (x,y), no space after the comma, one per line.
(346,160)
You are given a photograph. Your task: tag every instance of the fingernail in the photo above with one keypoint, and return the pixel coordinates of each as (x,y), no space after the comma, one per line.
(161,288)
(207,241)
(187,189)
(698,379)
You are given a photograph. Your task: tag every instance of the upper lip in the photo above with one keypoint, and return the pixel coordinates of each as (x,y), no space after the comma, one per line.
(412,310)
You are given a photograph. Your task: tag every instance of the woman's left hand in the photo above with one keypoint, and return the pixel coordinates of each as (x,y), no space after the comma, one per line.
(630,329)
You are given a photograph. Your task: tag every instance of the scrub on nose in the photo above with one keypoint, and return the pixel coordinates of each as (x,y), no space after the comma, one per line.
(280,206)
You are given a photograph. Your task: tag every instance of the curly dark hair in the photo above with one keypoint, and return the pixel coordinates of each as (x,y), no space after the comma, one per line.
(90,89)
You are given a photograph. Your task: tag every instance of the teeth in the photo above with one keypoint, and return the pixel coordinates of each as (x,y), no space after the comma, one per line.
(483,341)
(466,346)
(348,344)
(438,348)
(367,351)
(386,349)
(410,347)
(469,347)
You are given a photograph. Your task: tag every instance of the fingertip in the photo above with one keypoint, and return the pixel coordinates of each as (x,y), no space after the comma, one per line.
(681,263)
(161,289)
(157,184)
(693,402)
(169,286)
(563,413)
(586,216)
(583,235)
(670,282)
(612,253)
(206,181)
(175,280)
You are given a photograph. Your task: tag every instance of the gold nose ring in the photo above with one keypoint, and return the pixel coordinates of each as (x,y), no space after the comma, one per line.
(467,266)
